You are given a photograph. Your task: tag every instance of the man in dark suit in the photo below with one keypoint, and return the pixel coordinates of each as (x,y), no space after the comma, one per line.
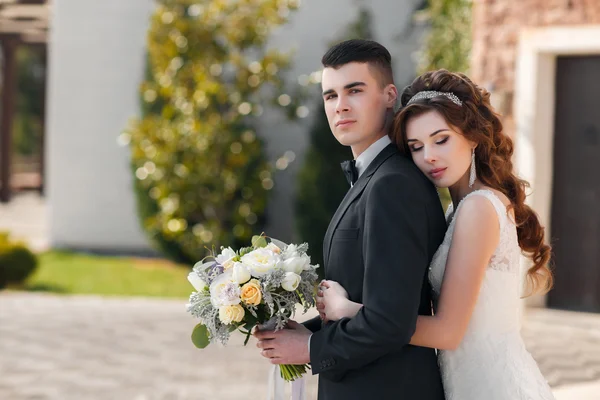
(378,246)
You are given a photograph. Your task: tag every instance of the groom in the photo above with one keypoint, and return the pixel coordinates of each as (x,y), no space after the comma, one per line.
(378,247)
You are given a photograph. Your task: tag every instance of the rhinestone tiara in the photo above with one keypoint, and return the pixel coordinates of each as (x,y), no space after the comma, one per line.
(430,94)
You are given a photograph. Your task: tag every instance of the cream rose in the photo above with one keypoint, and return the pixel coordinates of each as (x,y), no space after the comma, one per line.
(291,281)
(229,314)
(260,261)
(251,293)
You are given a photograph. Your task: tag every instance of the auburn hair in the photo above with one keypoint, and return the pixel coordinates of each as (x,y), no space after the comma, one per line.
(479,123)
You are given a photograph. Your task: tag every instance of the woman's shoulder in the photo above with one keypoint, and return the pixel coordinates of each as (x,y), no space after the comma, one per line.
(484,205)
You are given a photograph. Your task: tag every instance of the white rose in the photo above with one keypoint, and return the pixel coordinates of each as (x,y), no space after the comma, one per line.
(297,264)
(290,281)
(224,291)
(226,257)
(260,261)
(240,273)
(196,281)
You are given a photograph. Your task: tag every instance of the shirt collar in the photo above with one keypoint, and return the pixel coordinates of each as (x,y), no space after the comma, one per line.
(367,156)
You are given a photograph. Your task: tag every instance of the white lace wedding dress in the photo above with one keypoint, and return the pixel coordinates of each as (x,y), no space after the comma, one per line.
(491,363)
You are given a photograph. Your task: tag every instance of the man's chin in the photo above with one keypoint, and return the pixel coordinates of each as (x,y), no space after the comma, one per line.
(346,139)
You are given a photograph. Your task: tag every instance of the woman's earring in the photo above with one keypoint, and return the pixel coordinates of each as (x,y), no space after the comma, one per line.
(473,174)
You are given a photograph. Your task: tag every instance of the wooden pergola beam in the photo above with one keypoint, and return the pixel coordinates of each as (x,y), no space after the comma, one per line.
(7,107)
(21,22)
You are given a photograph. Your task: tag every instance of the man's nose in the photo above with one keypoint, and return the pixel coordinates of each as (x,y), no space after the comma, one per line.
(342,105)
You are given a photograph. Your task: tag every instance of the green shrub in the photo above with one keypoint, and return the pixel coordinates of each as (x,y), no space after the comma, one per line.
(201,174)
(17,262)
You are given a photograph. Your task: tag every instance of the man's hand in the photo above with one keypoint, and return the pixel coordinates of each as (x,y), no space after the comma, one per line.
(286,346)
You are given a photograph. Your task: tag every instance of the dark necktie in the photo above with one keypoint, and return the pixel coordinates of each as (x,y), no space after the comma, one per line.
(349,168)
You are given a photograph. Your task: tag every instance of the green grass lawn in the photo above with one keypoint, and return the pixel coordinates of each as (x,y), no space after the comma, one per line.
(75,273)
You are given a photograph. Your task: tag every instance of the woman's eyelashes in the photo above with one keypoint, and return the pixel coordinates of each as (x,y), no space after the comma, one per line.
(442,141)
(415,148)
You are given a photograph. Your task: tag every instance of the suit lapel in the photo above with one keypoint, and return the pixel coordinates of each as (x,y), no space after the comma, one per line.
(353,193)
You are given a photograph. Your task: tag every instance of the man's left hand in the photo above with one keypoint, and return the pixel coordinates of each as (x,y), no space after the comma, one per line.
(286,346)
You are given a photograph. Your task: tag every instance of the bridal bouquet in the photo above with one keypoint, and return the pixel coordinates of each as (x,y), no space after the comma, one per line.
(260,285)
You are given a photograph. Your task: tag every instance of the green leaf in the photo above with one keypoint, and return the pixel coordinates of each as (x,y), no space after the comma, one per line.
(245,250)
(200,336)
(259,241)
(247,337)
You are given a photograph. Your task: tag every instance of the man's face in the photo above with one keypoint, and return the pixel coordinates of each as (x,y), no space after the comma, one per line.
(356,105)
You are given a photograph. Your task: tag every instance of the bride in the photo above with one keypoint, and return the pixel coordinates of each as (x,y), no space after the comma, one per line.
(450,130)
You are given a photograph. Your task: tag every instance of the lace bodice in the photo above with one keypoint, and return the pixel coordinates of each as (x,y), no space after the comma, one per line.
(491,361)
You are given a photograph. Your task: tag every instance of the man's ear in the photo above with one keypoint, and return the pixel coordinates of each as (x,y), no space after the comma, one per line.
(391,95)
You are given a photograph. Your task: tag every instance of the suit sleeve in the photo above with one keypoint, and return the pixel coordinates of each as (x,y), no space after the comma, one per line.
(313,324)
(395,255)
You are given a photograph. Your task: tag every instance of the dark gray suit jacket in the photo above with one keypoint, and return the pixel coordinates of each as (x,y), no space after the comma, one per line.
(378,246)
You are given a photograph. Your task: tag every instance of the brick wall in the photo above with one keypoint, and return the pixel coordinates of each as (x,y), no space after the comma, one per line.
(496,28)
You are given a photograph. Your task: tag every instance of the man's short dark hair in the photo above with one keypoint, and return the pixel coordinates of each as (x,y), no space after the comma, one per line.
(361,51)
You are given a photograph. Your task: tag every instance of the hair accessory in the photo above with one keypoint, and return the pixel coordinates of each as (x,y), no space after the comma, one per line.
(430,94)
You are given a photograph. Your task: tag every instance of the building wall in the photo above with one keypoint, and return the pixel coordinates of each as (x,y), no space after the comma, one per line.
(96,59)
(515,47)
(497,25)
(96,64)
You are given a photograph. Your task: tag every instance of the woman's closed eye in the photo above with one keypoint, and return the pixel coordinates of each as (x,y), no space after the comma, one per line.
(417,147)
(442,141)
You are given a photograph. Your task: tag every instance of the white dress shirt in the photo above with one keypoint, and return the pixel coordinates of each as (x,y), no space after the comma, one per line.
(367,156)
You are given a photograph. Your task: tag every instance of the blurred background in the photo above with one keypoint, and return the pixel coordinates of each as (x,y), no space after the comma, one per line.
(136,136)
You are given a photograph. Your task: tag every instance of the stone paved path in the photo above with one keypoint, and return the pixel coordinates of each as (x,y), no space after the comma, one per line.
(93,348)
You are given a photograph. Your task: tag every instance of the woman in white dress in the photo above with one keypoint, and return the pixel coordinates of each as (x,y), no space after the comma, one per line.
(453,135)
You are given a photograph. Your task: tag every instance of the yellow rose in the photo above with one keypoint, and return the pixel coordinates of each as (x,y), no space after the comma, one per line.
(229,314)
(250,293)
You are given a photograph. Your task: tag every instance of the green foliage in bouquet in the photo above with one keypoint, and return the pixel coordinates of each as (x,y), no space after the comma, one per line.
(201,175)
(256,286)
(321,182)
(17,262)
